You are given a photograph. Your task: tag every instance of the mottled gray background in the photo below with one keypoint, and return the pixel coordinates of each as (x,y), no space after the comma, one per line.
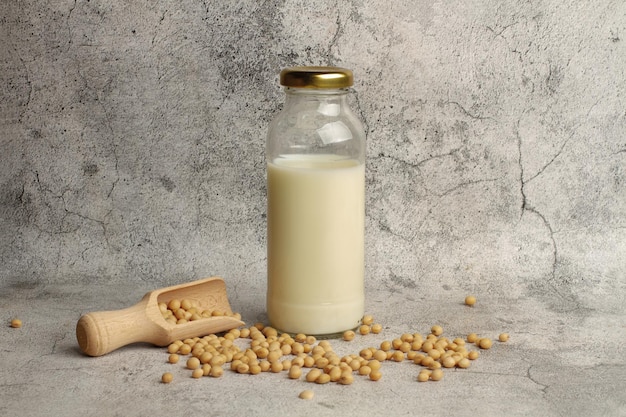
(132,140)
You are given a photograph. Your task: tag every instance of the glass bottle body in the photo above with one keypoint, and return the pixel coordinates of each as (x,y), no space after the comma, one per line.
(315,214)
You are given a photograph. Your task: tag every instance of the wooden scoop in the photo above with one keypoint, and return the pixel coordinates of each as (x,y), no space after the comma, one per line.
(101,332)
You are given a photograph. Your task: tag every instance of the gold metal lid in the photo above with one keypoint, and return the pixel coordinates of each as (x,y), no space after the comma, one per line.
(316,77)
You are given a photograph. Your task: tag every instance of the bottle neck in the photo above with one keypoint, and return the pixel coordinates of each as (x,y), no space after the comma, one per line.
(297,97)
(316,91)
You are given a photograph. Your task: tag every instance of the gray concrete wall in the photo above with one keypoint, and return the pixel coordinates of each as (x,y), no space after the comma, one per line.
(132,139)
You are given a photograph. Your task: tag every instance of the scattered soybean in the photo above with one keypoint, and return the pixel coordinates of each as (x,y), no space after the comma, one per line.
(307,394)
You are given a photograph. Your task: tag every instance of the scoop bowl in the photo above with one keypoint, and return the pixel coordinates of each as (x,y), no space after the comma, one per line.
(101,332)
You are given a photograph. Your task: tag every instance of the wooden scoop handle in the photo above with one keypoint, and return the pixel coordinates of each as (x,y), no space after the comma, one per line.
(101,332)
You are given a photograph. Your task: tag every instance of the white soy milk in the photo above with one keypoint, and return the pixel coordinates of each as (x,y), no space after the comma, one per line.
(315,223)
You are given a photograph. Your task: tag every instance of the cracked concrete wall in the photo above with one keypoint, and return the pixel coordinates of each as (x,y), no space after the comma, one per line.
(132,140)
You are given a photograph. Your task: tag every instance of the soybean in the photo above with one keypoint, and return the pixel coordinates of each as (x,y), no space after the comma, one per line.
(323,379)
(436,375)
(448,362)
(335,373)
(365,370)
(216,371)
(470,300)
(436,330)
(380,355)
(184,349)
(276,367)
(385,346)
(193,363)
(472,338)
(346,378)
(374,364)
(242,368)
(295,372)
(375,375)
(306,394)
(484,343)
(464,363)
(313,375)
(423,376)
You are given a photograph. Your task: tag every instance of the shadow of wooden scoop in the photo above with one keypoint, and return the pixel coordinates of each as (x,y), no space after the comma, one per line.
(101,332)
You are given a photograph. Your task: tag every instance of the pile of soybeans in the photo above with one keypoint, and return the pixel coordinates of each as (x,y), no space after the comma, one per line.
(259,348)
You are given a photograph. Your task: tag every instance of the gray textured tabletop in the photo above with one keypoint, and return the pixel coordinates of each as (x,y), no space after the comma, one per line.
(560,360)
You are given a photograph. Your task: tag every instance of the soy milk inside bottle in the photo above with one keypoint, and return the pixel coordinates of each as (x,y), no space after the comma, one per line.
(315,205)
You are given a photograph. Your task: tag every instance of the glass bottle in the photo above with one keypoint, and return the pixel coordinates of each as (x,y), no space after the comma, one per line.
(315,155)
